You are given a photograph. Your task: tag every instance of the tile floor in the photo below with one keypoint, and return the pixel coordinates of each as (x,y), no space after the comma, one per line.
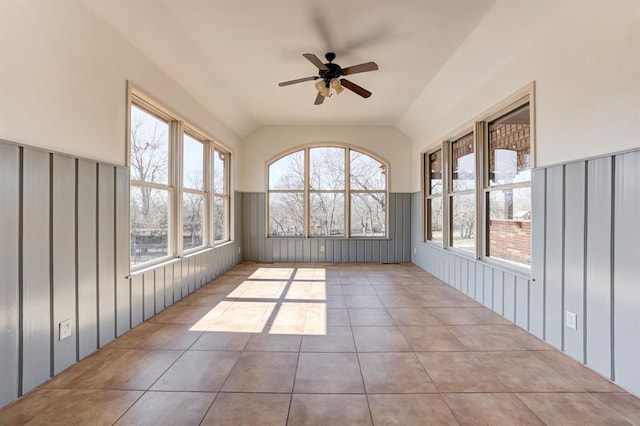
(326,345)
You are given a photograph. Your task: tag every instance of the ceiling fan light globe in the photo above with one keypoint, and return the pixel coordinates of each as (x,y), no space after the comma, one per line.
(335,85)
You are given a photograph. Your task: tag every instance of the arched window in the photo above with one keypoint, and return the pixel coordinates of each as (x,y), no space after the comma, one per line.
(327,191)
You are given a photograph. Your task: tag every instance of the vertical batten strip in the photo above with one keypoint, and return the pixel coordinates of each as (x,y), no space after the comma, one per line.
(63,257)
(625,290)
(36,292)
(10,300)
(574,249)
(106,259)
(122,251)
(87,258)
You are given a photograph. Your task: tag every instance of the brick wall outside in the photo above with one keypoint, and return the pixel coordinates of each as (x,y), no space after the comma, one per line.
(510,240)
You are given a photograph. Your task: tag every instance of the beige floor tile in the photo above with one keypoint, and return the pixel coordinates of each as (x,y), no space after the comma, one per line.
(315,322)
(158,336)
(249,409)
(413,316)
(328,373)
(380,339)
(337,317)
(585,379)
(358,289)
(410,410)
(626,405)
(363,301)
(274,343)
(444,300)
(384,287)
(168,408)
(201,298)
(329,410)
(262,372)
(490,409)
(394,373)
(400,301)
(485,338)
(468,316)
(337,339)
(524,371)
(425,338)
(69,407)
(336,301)
(221,341)
(201,371)
(460,372)
(188,315)
(370,317)
(571,409)
(134,369)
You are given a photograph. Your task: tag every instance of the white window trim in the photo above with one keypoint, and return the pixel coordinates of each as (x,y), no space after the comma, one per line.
(178,126)
(479,125)
(347,191)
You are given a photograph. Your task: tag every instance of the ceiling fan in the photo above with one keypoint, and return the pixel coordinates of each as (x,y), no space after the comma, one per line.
(329,76)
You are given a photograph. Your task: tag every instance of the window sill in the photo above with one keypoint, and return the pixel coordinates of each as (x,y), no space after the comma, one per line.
(331,238)
(170,261)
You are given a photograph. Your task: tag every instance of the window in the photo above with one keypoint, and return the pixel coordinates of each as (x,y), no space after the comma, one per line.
(327,191)
(508,187)
(194,203)
(462,194)
(179,185)
(488,182)
(221,200)
(433,203)
(151,192)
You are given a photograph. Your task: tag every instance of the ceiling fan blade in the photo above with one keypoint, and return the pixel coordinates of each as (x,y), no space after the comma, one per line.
(368,66)
(355,88)
(300,80)
(315,61)
(319,99)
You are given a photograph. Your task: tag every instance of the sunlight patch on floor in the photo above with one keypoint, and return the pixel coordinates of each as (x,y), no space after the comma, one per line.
(272,301)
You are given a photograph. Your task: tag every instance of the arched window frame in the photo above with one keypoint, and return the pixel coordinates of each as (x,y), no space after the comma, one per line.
(306,191)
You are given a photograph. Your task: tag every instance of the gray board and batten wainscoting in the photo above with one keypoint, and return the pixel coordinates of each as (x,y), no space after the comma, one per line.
(64,225)
(65,255)
(257,247)
(585,259)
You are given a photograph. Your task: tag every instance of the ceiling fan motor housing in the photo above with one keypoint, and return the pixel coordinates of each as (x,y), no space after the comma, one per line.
(333,71)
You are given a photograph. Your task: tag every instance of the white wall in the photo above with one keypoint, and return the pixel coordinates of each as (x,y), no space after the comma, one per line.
(267,142)
(63,75)
(584,57)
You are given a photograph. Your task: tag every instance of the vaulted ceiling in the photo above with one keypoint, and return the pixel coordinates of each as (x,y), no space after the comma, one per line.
(231,54)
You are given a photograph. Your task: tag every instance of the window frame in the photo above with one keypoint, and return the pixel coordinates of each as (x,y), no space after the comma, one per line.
(497,113)
(480,128)
(428,196)
(452,194)
(176,188)
(307,191)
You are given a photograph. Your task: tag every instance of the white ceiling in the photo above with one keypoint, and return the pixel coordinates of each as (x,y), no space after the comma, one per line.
(231,54)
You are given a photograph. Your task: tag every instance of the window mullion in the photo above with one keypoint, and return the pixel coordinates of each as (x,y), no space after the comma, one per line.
(176,174)
(307,195)
(347,193)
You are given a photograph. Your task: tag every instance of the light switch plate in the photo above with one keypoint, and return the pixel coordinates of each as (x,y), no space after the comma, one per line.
(571,319)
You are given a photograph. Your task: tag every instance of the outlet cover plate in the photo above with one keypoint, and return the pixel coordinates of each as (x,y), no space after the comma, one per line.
(64,329)
(571,319)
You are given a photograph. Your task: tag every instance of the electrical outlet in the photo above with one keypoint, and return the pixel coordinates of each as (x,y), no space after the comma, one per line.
(414,250)
(321,249)
(238,250)
(571,319)
(64,329)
